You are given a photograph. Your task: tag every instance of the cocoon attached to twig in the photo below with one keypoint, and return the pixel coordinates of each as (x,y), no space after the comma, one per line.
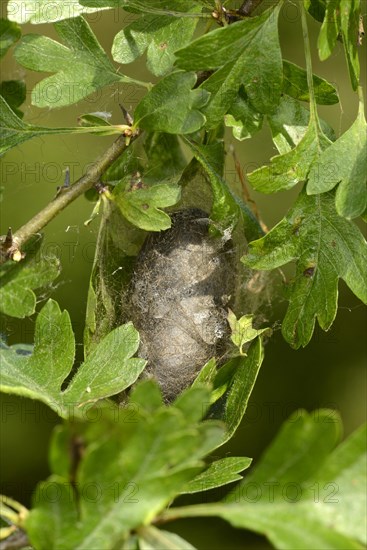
(181,286)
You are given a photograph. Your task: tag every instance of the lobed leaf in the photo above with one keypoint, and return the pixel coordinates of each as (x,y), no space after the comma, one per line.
(160,35)
(219,473)
(172,106)
(302,493)
(341,16)
(81,66)
(19,280)
(109,369)
(43,11)
(143,469)
(326,247)
(246,52)
(288,169)
(349,171)
(295,85)
(142,206)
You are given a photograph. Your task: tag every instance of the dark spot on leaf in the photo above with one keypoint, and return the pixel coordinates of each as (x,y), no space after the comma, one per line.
(309,271)
(333,244)
(145,206)
(163,45)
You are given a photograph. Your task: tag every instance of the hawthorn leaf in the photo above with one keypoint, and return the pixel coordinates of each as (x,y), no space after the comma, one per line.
(219,473)
(302,445)
(233,385)
(289,124)
(341,16)
(44,11)
(81,66)
(288,169)
(295,85)
(40,375)
(244,120)
(349,171)
(175,8)
(108,369)
(141,206)
(14,93)
(165,157)
(242,330)
(226,208)
(160,35)
(15,131)
(250,51)
(326,247)
(316,8)
(151,538)
(19,280)
(302,493)
(147,396)
(172,106)
(9,33)
(48,522)
(144,468)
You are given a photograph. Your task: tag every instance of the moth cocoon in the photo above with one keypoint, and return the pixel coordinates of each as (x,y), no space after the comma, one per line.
(182,283)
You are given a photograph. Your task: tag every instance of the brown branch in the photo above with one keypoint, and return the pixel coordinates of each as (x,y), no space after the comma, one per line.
(65,197)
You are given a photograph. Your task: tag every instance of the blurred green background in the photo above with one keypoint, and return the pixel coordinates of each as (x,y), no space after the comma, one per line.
(330,372)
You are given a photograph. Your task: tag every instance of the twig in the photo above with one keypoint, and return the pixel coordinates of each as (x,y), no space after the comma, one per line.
(63,199)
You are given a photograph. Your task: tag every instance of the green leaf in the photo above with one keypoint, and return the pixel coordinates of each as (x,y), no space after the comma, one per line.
(288,169)
(341,16)
(151,538)
(14,131)
(19,280)
(326,247)
(226,208)
(141,205)
(302,445)
(108,370)
(40,375)
(165,157)
(172,106)
(295,85)
(219,473)
(81,66)
(175,8)
(236,380)
(43,11)
(147,396)
(242,330)
(144,468)
(9,34)
(348,170)
(289,124)
(160,35)
(14,93)
(117,242)
(244,120)
(250,52)
(301,494)
(316,8)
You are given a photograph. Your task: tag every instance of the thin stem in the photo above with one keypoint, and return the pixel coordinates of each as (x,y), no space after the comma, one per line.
(68,195)
(306,44)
